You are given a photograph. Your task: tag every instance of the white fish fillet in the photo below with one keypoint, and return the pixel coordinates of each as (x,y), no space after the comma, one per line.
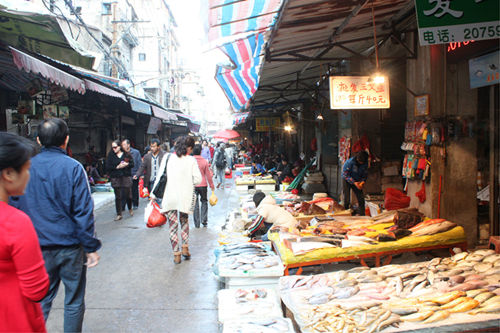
(304,247)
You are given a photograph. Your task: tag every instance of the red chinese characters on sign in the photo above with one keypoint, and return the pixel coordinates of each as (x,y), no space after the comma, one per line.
(358,92)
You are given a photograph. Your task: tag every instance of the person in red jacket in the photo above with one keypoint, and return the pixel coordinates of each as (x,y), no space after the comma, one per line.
(23,279)
(201,188)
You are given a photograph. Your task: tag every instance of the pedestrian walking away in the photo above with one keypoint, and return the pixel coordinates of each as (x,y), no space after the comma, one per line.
(354,173)
(23,278)
(150,164)
(183,174)
(136,156)
(58,201)
(118,166)
(220,164)
(201,189)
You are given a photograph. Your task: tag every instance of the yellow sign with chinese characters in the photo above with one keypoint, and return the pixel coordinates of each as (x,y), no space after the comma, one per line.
(359,92)
(266,124)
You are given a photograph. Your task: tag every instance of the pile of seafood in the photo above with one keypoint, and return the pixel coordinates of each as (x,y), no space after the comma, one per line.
(370,299)
(248,304)
(246,256)
(356,231)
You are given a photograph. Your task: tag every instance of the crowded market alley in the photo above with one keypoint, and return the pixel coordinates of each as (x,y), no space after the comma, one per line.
(137,288)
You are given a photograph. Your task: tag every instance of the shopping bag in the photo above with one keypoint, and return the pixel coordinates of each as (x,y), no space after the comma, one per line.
(143,191)
(155,218)
(213,199)
(395,199)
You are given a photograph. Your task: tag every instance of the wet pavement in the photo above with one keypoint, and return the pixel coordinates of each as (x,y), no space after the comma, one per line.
(137,288)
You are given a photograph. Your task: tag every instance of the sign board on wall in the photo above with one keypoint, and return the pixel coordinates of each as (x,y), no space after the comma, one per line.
(358,92)
(266,124)
(484,70)
(446,21)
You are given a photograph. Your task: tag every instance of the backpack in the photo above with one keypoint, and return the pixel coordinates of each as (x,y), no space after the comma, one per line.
(220,161)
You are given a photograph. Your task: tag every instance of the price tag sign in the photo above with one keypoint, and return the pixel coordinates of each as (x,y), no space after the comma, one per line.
(358,92)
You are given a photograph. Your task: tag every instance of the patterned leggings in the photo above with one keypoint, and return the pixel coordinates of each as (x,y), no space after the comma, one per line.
(173,220)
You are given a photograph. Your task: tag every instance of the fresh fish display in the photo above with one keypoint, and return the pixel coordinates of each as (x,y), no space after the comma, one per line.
(366,299)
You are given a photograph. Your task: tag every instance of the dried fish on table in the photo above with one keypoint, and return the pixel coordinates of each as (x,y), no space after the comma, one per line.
(434,228)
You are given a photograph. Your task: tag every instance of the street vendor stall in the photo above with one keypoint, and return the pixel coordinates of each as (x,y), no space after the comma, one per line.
(248,182)
(459,293)
(342,238)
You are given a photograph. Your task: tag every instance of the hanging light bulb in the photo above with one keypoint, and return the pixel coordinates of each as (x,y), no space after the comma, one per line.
(288,128)
(320,117)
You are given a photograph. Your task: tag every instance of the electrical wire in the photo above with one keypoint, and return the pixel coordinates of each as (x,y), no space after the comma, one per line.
(63,16)
(116,61)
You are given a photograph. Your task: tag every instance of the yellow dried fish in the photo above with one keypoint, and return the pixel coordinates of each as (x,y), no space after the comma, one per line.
(419,316)
(473,293)
(465,306)
(483,297)
(448,297)
(495,299)
(455,302)
(437,316)
(493,307)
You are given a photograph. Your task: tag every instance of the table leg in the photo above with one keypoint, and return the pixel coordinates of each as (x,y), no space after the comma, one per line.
(387,260)
(363,262)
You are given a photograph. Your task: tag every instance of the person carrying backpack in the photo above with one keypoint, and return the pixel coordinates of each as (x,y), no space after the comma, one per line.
(220,164)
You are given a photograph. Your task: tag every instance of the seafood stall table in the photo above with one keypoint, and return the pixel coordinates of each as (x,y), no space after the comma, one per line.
(382,252)
(455,294)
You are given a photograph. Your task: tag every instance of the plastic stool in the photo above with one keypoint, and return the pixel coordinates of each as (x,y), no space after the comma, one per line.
(494,243)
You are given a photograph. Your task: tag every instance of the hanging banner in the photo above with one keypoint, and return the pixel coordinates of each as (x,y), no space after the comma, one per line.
(484,70)
(266,124)
(358,92)
(445,21)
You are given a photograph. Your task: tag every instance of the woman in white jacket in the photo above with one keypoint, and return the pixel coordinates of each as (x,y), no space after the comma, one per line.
(183,174)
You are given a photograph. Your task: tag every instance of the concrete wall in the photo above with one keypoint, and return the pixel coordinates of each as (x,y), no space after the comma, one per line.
(456,163)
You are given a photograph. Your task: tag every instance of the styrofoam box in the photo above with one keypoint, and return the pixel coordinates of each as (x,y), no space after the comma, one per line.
(266,307)
(265,187)
(272,271)
(251,282)
(238,326)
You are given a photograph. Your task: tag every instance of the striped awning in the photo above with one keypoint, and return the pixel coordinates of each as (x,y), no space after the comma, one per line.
(231,18)
(239,84)
(240,118)
(33,65)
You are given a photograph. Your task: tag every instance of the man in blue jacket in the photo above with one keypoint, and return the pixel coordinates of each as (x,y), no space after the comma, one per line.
(58,201)
(355,172)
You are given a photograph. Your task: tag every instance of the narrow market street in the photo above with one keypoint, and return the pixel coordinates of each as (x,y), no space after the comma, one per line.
(137,288)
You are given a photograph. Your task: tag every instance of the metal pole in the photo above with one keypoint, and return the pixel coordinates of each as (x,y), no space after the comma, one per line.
(493,181)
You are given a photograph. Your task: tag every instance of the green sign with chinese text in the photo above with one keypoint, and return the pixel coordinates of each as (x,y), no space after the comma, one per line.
(446,21)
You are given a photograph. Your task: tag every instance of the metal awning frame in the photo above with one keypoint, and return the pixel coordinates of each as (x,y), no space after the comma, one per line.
(301,83)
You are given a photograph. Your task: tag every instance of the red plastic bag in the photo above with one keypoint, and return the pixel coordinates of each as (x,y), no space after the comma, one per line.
(143,191)
(155,218)
(421,194)
(395,199)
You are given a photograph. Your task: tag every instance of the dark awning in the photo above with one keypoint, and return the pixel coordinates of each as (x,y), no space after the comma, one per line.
(139,106)
(163,114)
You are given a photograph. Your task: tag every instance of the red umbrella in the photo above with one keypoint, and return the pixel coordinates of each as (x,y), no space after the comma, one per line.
(226,135)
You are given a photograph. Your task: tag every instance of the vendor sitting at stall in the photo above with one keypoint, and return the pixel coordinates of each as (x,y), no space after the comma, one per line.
(270,215)
(257,167)
(284,170)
